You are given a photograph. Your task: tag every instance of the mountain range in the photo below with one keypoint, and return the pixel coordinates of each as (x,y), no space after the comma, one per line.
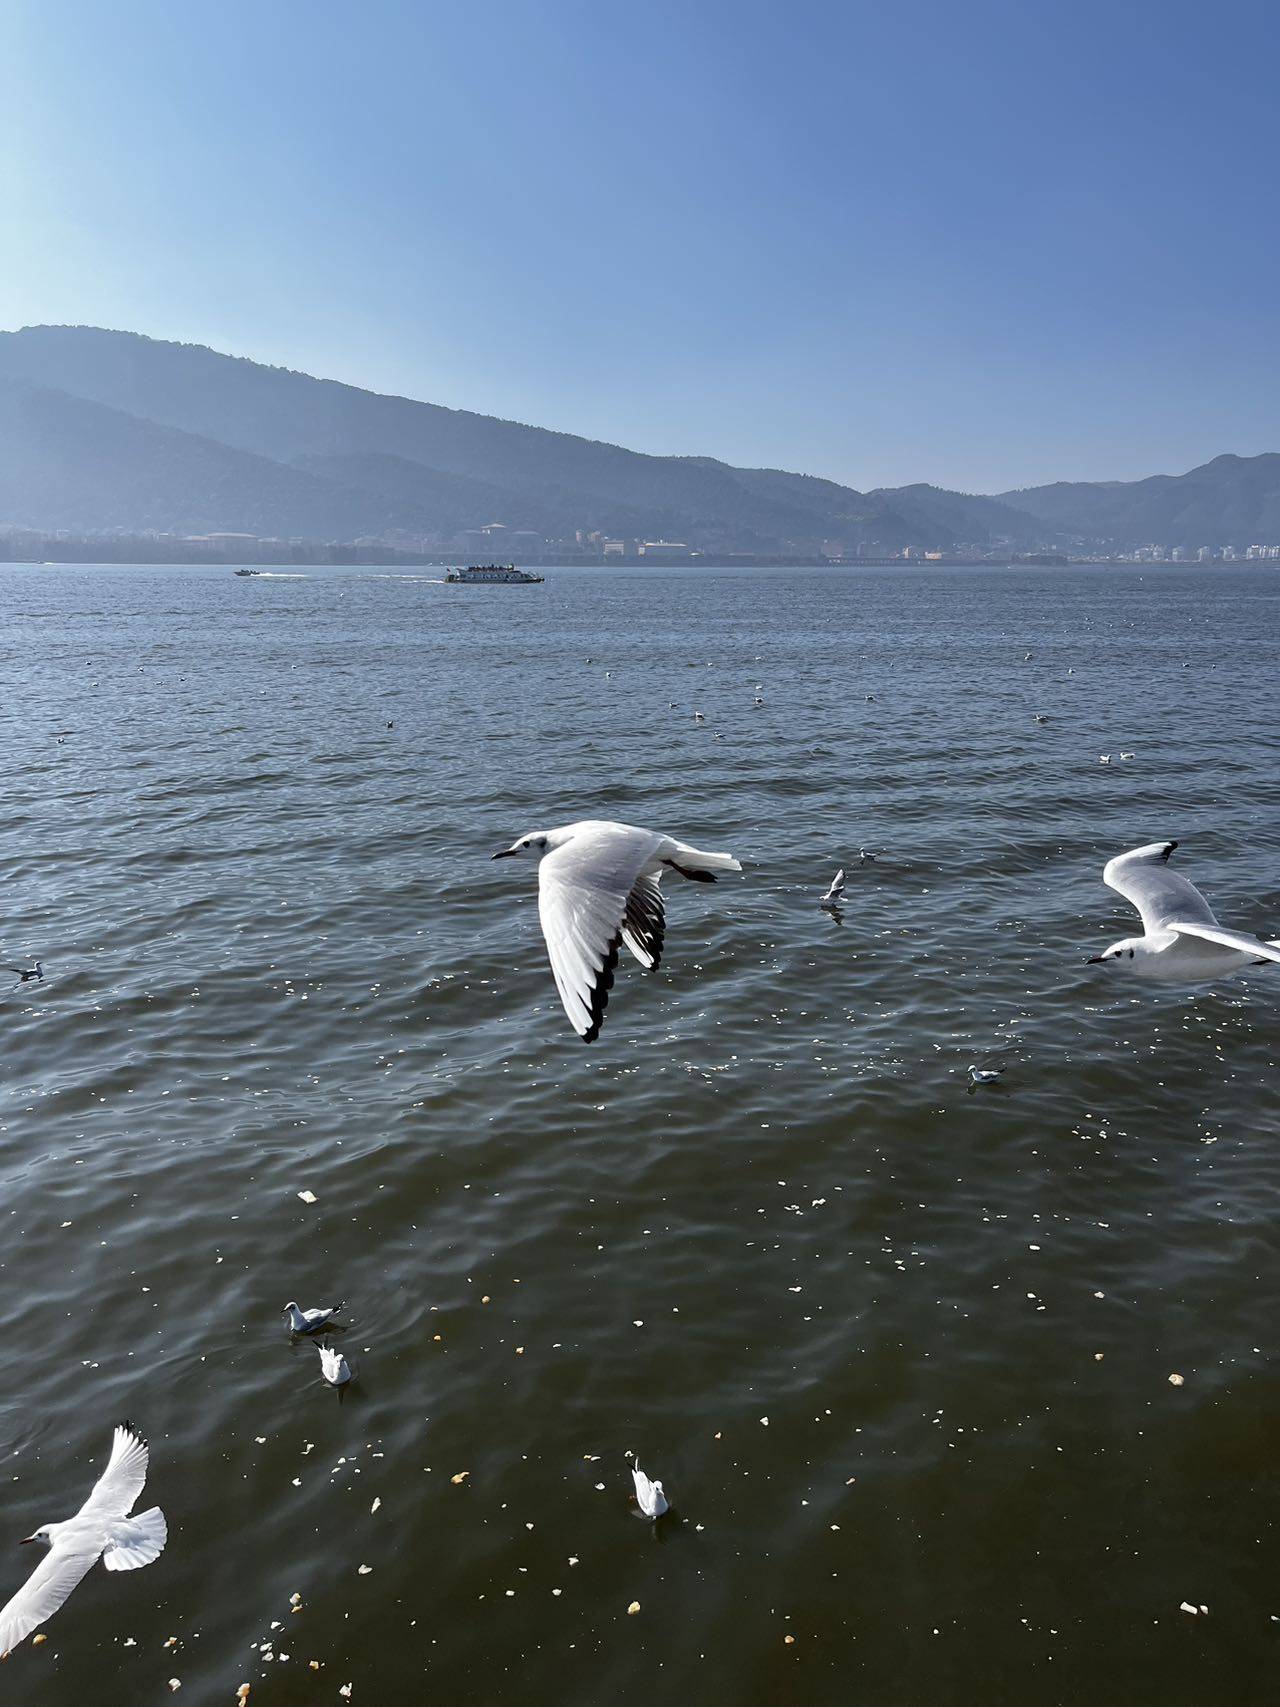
(105,431)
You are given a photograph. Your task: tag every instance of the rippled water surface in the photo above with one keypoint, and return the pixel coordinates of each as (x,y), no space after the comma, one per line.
(901,1353)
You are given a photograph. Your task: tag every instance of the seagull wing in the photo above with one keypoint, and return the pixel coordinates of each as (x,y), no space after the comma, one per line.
(122,1481)
(1162,897)
(46,1588)
(584,888)
(1230,939)
(644,924)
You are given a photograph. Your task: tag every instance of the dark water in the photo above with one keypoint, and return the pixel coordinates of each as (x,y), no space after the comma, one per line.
(278,959)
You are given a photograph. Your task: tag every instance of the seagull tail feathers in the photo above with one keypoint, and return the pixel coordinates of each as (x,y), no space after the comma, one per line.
(139,1541)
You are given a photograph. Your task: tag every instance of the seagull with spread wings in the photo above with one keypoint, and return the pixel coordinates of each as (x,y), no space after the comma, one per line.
(101,1529)
(1182,942)
(598,888)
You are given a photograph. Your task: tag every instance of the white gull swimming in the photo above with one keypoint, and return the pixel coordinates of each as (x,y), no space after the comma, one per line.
(649,1495)
(307,1321)
(333,1366)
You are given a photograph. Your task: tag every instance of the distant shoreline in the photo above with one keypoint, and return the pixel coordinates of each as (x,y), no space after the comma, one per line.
(95,552)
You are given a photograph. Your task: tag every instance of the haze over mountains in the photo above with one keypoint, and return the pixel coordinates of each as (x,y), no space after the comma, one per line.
(106,431)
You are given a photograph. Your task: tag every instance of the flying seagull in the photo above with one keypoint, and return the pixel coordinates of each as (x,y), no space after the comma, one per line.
(598,888)
(101,1529)
(1182,942)
(832,896)
(27,973)
(649,1495)
(307,1321)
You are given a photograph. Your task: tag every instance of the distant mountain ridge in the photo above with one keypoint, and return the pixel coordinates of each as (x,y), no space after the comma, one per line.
(366,449)
(1232,500)
(103,431)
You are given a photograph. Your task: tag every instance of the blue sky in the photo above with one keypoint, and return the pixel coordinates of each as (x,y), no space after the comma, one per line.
(983,244)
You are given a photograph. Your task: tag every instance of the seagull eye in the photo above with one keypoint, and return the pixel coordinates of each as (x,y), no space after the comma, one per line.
(1130,954)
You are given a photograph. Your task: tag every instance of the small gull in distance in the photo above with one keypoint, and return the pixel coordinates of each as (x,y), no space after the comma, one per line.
(1104,758)
(984,1075)
(597,889)
(832,896)
(26,974)
(307,1321)
(1128,755)
(698,717)
(101,1529)
(333,1366)
(649,1495)
(866,856)
(1182,941)
(1040,717)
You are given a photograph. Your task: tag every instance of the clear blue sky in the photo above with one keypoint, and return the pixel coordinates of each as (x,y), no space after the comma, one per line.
(968,241)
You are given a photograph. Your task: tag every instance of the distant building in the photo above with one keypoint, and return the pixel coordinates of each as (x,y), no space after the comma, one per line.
(663,548)
(1205,554)
(614,547)
(490,539)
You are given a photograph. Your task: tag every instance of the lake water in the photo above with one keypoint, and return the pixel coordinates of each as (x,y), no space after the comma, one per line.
(279,959)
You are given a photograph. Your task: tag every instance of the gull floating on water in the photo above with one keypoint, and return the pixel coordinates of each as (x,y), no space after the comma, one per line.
(984,1075)
(1127,755)
(1040,717)
(649,1495)
(307,1321)
(832,896)
(101,1529)
(333,1366)
(866,856)
(1104,758)
(26,974)
(598,888)
(698,717)
(1182,942)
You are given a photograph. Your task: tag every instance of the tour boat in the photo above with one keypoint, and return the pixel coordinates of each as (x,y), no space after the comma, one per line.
(492,575)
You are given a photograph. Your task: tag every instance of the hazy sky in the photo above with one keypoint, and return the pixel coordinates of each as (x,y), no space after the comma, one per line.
(968,241)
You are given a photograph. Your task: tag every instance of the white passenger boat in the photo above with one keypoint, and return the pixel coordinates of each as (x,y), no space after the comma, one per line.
(492,575)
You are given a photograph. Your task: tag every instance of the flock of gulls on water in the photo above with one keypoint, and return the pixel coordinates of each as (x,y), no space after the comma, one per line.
(598,889)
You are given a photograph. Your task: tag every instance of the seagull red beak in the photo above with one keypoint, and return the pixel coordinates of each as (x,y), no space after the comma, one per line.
(503,853)
(25,1540)
(1095,960)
